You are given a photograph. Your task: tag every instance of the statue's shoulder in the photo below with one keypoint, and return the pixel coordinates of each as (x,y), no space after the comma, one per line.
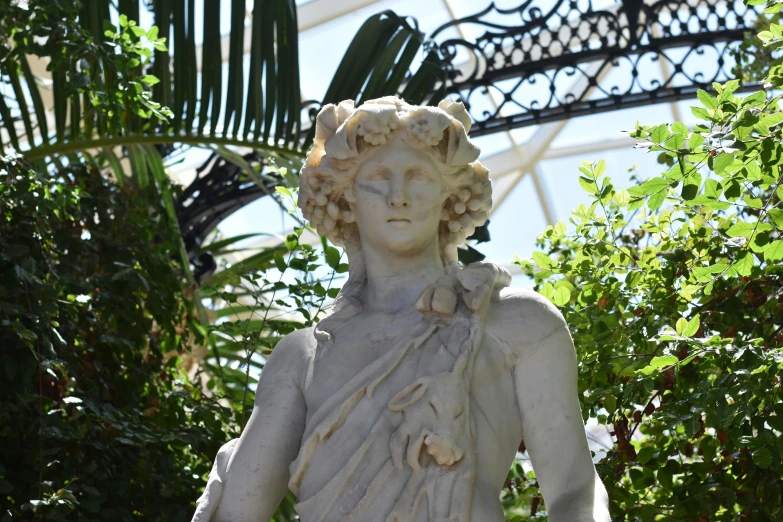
(522,317)
(293,354)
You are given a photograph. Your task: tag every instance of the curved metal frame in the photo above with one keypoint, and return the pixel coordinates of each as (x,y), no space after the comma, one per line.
(558,63)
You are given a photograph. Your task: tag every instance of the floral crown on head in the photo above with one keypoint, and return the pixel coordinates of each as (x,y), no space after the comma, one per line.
(343,132)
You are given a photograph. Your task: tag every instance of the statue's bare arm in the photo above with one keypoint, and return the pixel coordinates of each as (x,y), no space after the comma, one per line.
(546,385)
(257,476)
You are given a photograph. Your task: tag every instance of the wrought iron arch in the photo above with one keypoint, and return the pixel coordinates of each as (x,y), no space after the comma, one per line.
(550,60)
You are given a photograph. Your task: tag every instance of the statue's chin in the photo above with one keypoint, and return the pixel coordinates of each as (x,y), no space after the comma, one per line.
(403,242)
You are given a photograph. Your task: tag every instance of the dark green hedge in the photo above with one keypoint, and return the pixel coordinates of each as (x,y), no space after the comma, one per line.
(93,424)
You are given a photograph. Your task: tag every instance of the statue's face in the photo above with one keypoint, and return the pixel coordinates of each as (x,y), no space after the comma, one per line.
(399,196)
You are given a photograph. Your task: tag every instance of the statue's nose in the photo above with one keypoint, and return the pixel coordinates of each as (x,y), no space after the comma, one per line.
(398,193)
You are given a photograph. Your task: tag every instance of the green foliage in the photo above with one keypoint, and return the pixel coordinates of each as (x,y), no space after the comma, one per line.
(105,72)
(254,302)
(757,55)
(97,423)
(257,301)
(672,291)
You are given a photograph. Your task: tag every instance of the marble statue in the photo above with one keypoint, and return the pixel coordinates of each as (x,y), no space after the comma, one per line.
(408,403)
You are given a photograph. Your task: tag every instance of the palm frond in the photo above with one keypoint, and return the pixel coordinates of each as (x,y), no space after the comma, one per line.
(257,106)
(261,110)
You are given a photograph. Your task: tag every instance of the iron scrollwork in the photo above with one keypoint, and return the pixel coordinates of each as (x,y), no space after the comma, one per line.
(549,60)
(220,189)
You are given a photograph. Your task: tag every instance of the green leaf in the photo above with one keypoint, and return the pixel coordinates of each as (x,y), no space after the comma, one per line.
(660,133)
(762,457)
(707,100)
(542,260)
(680,128)
(754,99)
(657,364)
(701,113)
(547,290)
(332,256)
(774,251)
(744,264)
(588,185)
(676,141)
(704,274)
(656,200)
(776,216)
(771,120)
(692,327)
(680,326)
(741,229)
(644,455)
(653,185)
(600,169)
(695,141)
(753,171)
(280,263)
(150,79)
(722,161)
(291,241)
(712,188)
(562,296)
(610,403)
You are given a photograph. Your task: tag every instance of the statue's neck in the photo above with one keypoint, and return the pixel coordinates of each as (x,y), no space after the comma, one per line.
(395,282)
(392,294)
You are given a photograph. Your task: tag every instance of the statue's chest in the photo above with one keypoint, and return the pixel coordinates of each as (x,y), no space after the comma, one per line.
(363,340)
(355,345)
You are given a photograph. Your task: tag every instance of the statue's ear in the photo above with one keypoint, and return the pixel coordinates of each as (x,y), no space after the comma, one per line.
(459,150)
(349,196)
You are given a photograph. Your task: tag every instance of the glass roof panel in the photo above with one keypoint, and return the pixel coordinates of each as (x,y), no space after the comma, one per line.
(560,176)
(515,225)
(492,144)
(595,128)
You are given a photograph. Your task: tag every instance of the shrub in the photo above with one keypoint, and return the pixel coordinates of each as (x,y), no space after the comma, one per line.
(96,424)
(672,290)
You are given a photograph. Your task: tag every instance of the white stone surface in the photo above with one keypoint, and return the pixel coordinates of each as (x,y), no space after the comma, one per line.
(409,402)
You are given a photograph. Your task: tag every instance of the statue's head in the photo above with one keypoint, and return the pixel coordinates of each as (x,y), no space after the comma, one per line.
(397,175)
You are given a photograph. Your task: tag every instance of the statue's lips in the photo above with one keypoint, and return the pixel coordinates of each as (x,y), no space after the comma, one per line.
(398,220)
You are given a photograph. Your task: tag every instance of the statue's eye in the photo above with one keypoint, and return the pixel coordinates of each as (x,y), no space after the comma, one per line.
(418,175)
(378,175)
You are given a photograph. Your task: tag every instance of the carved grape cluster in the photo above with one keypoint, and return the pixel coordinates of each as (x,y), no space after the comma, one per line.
(467,208)
(328,210)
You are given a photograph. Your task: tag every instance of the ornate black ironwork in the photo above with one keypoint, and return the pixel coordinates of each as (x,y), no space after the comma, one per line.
(549,60)
(220,189)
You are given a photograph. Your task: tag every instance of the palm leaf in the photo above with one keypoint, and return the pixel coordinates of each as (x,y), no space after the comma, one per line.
(261,108)
(260,111)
